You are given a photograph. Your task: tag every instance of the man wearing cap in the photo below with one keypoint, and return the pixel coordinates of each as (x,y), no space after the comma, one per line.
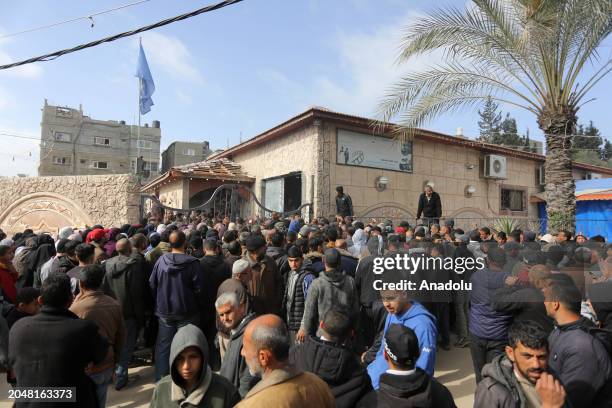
(97,238)
(430,206)
(266,285)
(299,279)
(344,203)
(404,384)
(333,288)
(406,312)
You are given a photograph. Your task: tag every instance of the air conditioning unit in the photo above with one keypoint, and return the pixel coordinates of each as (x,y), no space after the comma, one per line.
(495,166)
(541,175)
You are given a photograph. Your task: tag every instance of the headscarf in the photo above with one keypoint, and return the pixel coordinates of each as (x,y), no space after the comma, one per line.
(110,245)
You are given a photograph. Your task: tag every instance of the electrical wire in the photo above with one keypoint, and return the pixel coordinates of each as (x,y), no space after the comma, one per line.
(87,17)
(57,54)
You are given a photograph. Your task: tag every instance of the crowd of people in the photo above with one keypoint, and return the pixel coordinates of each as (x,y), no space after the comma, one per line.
(284,312)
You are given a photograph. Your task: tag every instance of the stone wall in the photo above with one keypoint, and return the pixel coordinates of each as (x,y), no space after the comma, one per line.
(49,203)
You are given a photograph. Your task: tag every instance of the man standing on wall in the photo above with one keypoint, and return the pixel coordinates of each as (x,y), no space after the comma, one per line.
(430,206)
(344,204)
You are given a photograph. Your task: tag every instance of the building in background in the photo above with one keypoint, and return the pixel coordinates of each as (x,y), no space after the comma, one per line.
(75,144)
(181,153)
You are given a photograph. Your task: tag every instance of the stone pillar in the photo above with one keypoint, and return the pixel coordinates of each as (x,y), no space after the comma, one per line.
(322,201)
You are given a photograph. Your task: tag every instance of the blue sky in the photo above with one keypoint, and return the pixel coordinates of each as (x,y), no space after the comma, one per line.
(240,70)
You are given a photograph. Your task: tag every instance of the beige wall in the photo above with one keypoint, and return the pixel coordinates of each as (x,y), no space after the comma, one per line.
(295,152)
(445,166)
(49,203)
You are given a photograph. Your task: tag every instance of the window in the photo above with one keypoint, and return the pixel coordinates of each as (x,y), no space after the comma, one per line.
(143,144)
(151,166)
(62,136)
(513,200)
(189,152)
(66,112)
(102,141)
(61,161)
(99,165)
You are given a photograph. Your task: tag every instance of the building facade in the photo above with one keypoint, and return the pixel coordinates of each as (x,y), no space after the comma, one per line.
(181,153)
(303,160)
(75,144)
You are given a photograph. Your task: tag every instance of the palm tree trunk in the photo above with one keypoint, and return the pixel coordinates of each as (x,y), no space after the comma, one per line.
(560,187)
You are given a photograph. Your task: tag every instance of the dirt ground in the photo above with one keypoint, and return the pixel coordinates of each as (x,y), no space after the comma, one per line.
(453,369)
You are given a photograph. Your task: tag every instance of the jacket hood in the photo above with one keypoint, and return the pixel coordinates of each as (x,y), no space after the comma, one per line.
(173,263)
(332,363)
(314,255)
(211,261)
(416,311)
(164,246)
(502,371)
(335,277)
(188,336)
(119,264)
(416,386)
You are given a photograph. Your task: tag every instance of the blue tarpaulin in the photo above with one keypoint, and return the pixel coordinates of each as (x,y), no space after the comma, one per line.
(593,217)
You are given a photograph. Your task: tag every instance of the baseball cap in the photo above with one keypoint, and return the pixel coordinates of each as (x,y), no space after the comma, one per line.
(402,345)
(548,238)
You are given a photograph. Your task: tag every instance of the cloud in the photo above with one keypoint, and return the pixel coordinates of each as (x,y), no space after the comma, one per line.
(367,63)
(184,98)
(171,55)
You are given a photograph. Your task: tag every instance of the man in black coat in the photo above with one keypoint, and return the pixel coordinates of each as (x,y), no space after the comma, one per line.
(404,384)
(430,206)
(332,361)
(580,360)
(53,348)
(344,203)
(125,281)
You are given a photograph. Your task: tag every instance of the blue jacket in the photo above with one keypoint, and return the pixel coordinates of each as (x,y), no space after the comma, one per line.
(175,283)
(424,325)
(484,321)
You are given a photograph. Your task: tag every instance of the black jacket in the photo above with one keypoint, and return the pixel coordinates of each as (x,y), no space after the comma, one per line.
(125,281)
(431,208)
(344,205)
(214,272)
(570,347)
(364,281)
(52,349)
(62,264)
(338,366)
(526,302)
(416,390)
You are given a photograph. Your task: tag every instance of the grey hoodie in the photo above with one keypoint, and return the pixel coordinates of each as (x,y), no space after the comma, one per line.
(332,289)
(211,390)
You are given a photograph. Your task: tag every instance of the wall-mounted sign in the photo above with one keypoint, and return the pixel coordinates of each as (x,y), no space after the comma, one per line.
(360,149)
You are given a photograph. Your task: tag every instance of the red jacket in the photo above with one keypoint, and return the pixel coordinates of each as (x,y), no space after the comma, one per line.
(8,278)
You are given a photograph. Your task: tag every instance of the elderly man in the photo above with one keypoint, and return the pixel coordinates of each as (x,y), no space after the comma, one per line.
(234,317)
(266,351)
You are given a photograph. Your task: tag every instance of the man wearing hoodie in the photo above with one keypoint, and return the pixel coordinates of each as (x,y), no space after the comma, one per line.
(401,310)
(516,378)
(579,359)
(125,281)
(404,384)
(175,283)
(191,382)
(488,328)
(234,317)
(331,360)
(332,288)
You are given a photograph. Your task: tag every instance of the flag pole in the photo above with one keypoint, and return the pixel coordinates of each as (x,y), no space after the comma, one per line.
(139,118)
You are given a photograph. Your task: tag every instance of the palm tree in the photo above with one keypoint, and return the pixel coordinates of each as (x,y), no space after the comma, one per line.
(526,53)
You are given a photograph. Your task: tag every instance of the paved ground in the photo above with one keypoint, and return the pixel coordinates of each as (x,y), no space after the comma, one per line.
(453,369)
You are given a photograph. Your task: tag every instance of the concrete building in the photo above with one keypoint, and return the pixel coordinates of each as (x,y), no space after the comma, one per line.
(303,160)
(75,144)
(181,153)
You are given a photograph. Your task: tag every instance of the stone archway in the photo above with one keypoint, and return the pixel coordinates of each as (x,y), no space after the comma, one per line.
(468,218)
(43,212)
